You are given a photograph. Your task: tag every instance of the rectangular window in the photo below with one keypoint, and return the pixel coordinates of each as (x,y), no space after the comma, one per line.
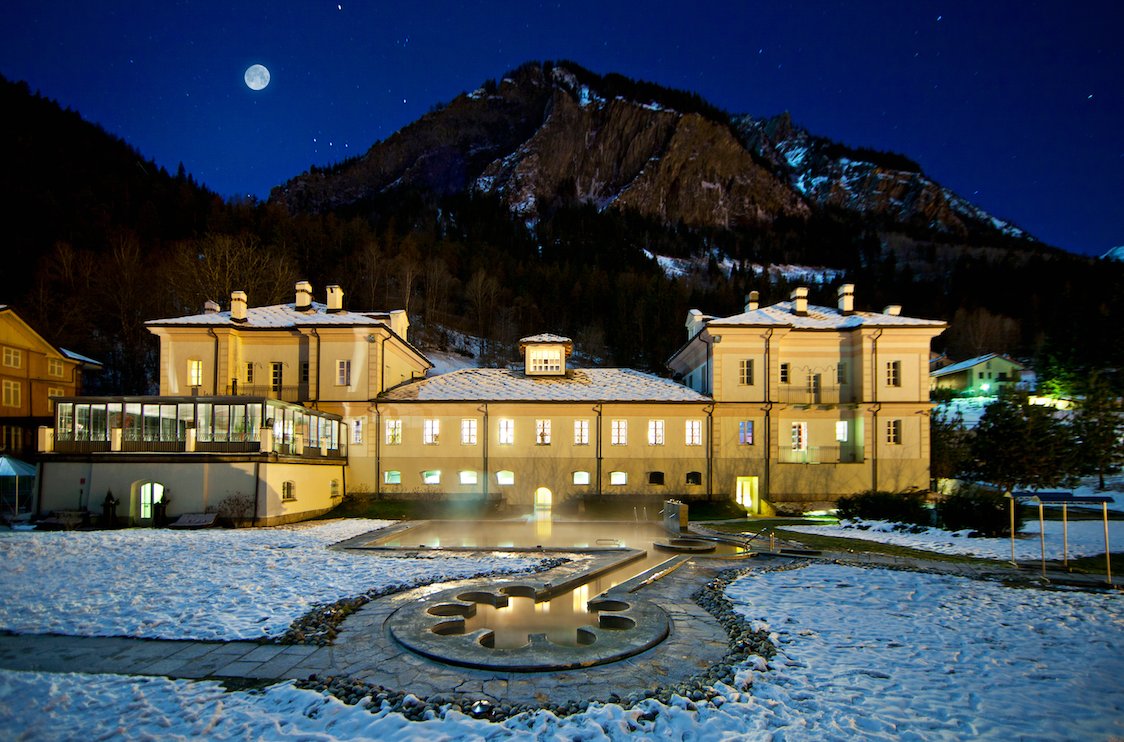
(745,372)
(813,384)
(304,372)
(745,433)
(195,373)
(275,376)
(694,432)
(894,373)
(12,396)
(841,431)
(841,373)
(468,477)
(619,436)
(249,373)
(54,393)
(343,373)
(507,432)
(545,360)
(581,432)
(618,477)
(468,433)
(392,477)
(894,432)
(288,491)
(55,367)
(431,477)
(800,436)
(655,432)
(542,432)
(13,357)
(784,373)
(393,432)
(431,432)
(357,431)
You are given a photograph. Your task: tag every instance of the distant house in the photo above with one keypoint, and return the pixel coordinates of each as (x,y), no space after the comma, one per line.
(980,375)
(32,372)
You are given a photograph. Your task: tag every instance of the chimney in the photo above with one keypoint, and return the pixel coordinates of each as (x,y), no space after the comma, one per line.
(238,306)
(847,298)
(800,301)
(751,301)
(335,299)
(210,307)
(304,296)
(893,310)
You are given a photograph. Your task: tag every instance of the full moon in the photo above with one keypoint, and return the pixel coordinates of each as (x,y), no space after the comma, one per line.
(257,77)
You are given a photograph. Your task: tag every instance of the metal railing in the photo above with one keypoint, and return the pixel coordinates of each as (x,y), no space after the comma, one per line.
(288,393)
(823,455)
(801,394)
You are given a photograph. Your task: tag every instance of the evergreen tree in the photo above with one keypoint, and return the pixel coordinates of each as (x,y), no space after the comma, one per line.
(948,451)
(1099,428)
(1019,445)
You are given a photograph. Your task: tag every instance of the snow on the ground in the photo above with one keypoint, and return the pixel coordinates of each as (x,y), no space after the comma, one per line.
(211,584)
(444,362)
(863,655)
(1085,538)
(970,409)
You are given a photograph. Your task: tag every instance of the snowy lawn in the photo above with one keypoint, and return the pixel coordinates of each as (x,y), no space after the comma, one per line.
(864,654)
(1086,538)
(212,584)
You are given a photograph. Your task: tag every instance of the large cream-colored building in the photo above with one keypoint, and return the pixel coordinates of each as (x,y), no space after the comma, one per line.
(787,404)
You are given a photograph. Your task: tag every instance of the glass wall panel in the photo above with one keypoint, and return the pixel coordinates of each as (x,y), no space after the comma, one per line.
(169,431)
(100,420)
(238,422)
(150,414)
(204,422)
(186,417)
(253,422)
(64,425)
(222,423)
(82,422)
(113,420)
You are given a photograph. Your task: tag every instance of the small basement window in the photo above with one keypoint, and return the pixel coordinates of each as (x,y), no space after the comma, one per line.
(468,477)
(694,477)
(618,477)
(431,477)
(288,492)
(655,477)
(505,477)
(392,477)
(581,477)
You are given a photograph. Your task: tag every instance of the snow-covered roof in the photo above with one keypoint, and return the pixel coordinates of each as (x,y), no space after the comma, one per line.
(819,318)
(280,315)
(545,337)
(579,385)
(965,365)
(79,357)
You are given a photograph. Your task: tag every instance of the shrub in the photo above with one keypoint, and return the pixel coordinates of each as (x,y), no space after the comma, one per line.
(986,512)
(897,507)
(236,510)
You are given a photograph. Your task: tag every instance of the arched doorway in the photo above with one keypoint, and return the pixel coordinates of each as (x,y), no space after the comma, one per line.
(145,495)
(543,499)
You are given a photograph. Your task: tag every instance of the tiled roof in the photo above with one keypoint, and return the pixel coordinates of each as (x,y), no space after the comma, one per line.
(579,385)
(280,315)
(819,318)
(965,365)
(546,337)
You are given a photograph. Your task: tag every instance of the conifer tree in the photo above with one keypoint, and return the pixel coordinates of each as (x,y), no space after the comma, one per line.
(1099,428)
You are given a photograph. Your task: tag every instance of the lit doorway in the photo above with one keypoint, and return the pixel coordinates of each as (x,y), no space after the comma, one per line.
(150,494)
(542,513)
(747,494)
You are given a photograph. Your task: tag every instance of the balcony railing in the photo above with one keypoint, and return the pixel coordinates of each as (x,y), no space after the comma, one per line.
(823,455)
(290,393)
(801,394)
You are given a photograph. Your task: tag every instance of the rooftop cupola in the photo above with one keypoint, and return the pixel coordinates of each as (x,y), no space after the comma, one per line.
(304,296)
(751,301)
(545,355)
(847,298)
(238,306)
(335,299)
(800,301)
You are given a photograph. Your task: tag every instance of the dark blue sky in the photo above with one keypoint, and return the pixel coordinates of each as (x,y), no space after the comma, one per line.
(1015,105)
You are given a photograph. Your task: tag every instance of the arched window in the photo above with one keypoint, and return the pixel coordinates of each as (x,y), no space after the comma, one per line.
(431,477)
(468,477)
(655,477)
(694,477)
(581,477)
(505,477)
(618,477)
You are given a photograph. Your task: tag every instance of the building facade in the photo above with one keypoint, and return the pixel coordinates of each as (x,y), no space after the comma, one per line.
(983,375)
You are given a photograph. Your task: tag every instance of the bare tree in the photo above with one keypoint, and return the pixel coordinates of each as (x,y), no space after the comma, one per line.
(217,264)
(975,332)
(407,269)
(481,292)
(436,282)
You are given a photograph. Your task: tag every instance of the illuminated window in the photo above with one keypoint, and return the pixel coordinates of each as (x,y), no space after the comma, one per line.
(618,477)
(507,432)
(392,477)
(195,372)
(431,432)
(694,477)
(542,432)
(894,432)
(468,477)
(545,360)
(343,373)
(655,432)
(12,396)
(13,357)
(784,373)
(357,431)
(800,436)
(287,491)
(745,372)
(581,432)
(393,432)
(655,477)
(581,477)
(619,436)
(431,477)
(694,432)
(55,367)
(468,432)
(894,373)
(53,393)
(745,433)
(841,431)
(505,477)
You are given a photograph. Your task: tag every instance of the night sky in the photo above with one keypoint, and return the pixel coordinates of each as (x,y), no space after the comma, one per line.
(1015,105)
